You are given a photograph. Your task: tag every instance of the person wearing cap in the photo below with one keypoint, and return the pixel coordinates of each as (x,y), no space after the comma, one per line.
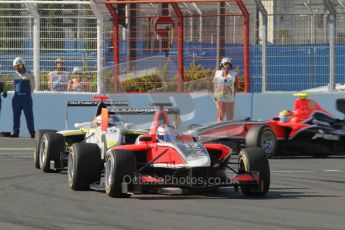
(224,89)
(58,79)
(24,85)
(76,84)
(3,88)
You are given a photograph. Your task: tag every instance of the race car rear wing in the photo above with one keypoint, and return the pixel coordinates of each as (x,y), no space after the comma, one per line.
(95,103)
(101,104)
(137,111)
(147,111)
(119,110)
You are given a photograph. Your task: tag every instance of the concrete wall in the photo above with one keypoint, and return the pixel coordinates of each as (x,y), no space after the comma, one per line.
(196,108)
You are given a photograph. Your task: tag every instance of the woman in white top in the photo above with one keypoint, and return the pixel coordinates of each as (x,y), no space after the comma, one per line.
(76,83)
(224,89)
(58,79)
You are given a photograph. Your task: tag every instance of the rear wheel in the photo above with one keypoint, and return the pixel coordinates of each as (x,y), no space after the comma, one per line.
(255,160)
(264,137)
(84,165)
(39,135)
(119,167)
(51,147)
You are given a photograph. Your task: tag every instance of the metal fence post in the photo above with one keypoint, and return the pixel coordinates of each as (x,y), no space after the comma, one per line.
(264,44)
(100,46)
(36,44)
(332,42)
(220,33)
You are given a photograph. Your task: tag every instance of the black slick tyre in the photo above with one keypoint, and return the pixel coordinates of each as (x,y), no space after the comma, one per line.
(119,167)
(255,160)
(84,165)
(52,145)
(264,137)
(39,135)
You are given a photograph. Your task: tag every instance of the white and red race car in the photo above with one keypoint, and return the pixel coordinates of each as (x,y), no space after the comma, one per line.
(162,161)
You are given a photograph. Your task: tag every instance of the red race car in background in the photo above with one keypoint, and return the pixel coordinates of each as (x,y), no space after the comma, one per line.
(163,161)
(306,130)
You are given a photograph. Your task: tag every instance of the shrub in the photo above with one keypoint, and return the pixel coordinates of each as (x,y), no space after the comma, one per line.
(142,84)
(196,72)
(197,78)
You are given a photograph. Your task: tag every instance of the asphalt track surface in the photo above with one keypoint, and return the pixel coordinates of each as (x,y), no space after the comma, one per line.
(305,194)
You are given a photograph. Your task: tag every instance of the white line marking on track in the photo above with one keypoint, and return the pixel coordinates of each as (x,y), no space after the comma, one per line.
(22,156)
(307,171)
(333,170)
(295,171)
(17,149)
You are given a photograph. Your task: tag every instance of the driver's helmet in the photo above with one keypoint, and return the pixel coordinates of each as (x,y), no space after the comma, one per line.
(166,133)
(112,120)
(115,120)
(284,115)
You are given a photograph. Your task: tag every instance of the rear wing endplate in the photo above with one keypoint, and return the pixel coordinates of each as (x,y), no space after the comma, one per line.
(90,104)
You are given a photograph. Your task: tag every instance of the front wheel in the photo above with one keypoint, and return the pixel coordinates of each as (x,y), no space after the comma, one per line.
(84,165)
(255,160)
(119,168)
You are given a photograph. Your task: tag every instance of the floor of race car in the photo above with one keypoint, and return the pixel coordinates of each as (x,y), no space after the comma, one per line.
(306,193)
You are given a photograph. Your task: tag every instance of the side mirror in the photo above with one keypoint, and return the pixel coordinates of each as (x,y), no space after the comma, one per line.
(145,138)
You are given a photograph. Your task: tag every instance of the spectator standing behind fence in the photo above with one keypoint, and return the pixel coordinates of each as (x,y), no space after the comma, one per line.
(3,88)
(58,79)
(224,89)
(76,83)
(24,84)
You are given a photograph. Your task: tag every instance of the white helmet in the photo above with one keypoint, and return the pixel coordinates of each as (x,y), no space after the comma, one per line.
(226,60)
(77,69)
(166,133)
(112,120)
(18,61)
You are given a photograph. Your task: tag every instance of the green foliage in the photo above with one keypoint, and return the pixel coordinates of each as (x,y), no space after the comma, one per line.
(240,84)
(108,80)
(142,84)
(44,81)
(196,72)
(91,81)
(197,78)
(9,82)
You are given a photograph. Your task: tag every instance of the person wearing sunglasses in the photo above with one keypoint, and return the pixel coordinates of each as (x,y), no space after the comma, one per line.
(58,79)
(76,83)
(224,89)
